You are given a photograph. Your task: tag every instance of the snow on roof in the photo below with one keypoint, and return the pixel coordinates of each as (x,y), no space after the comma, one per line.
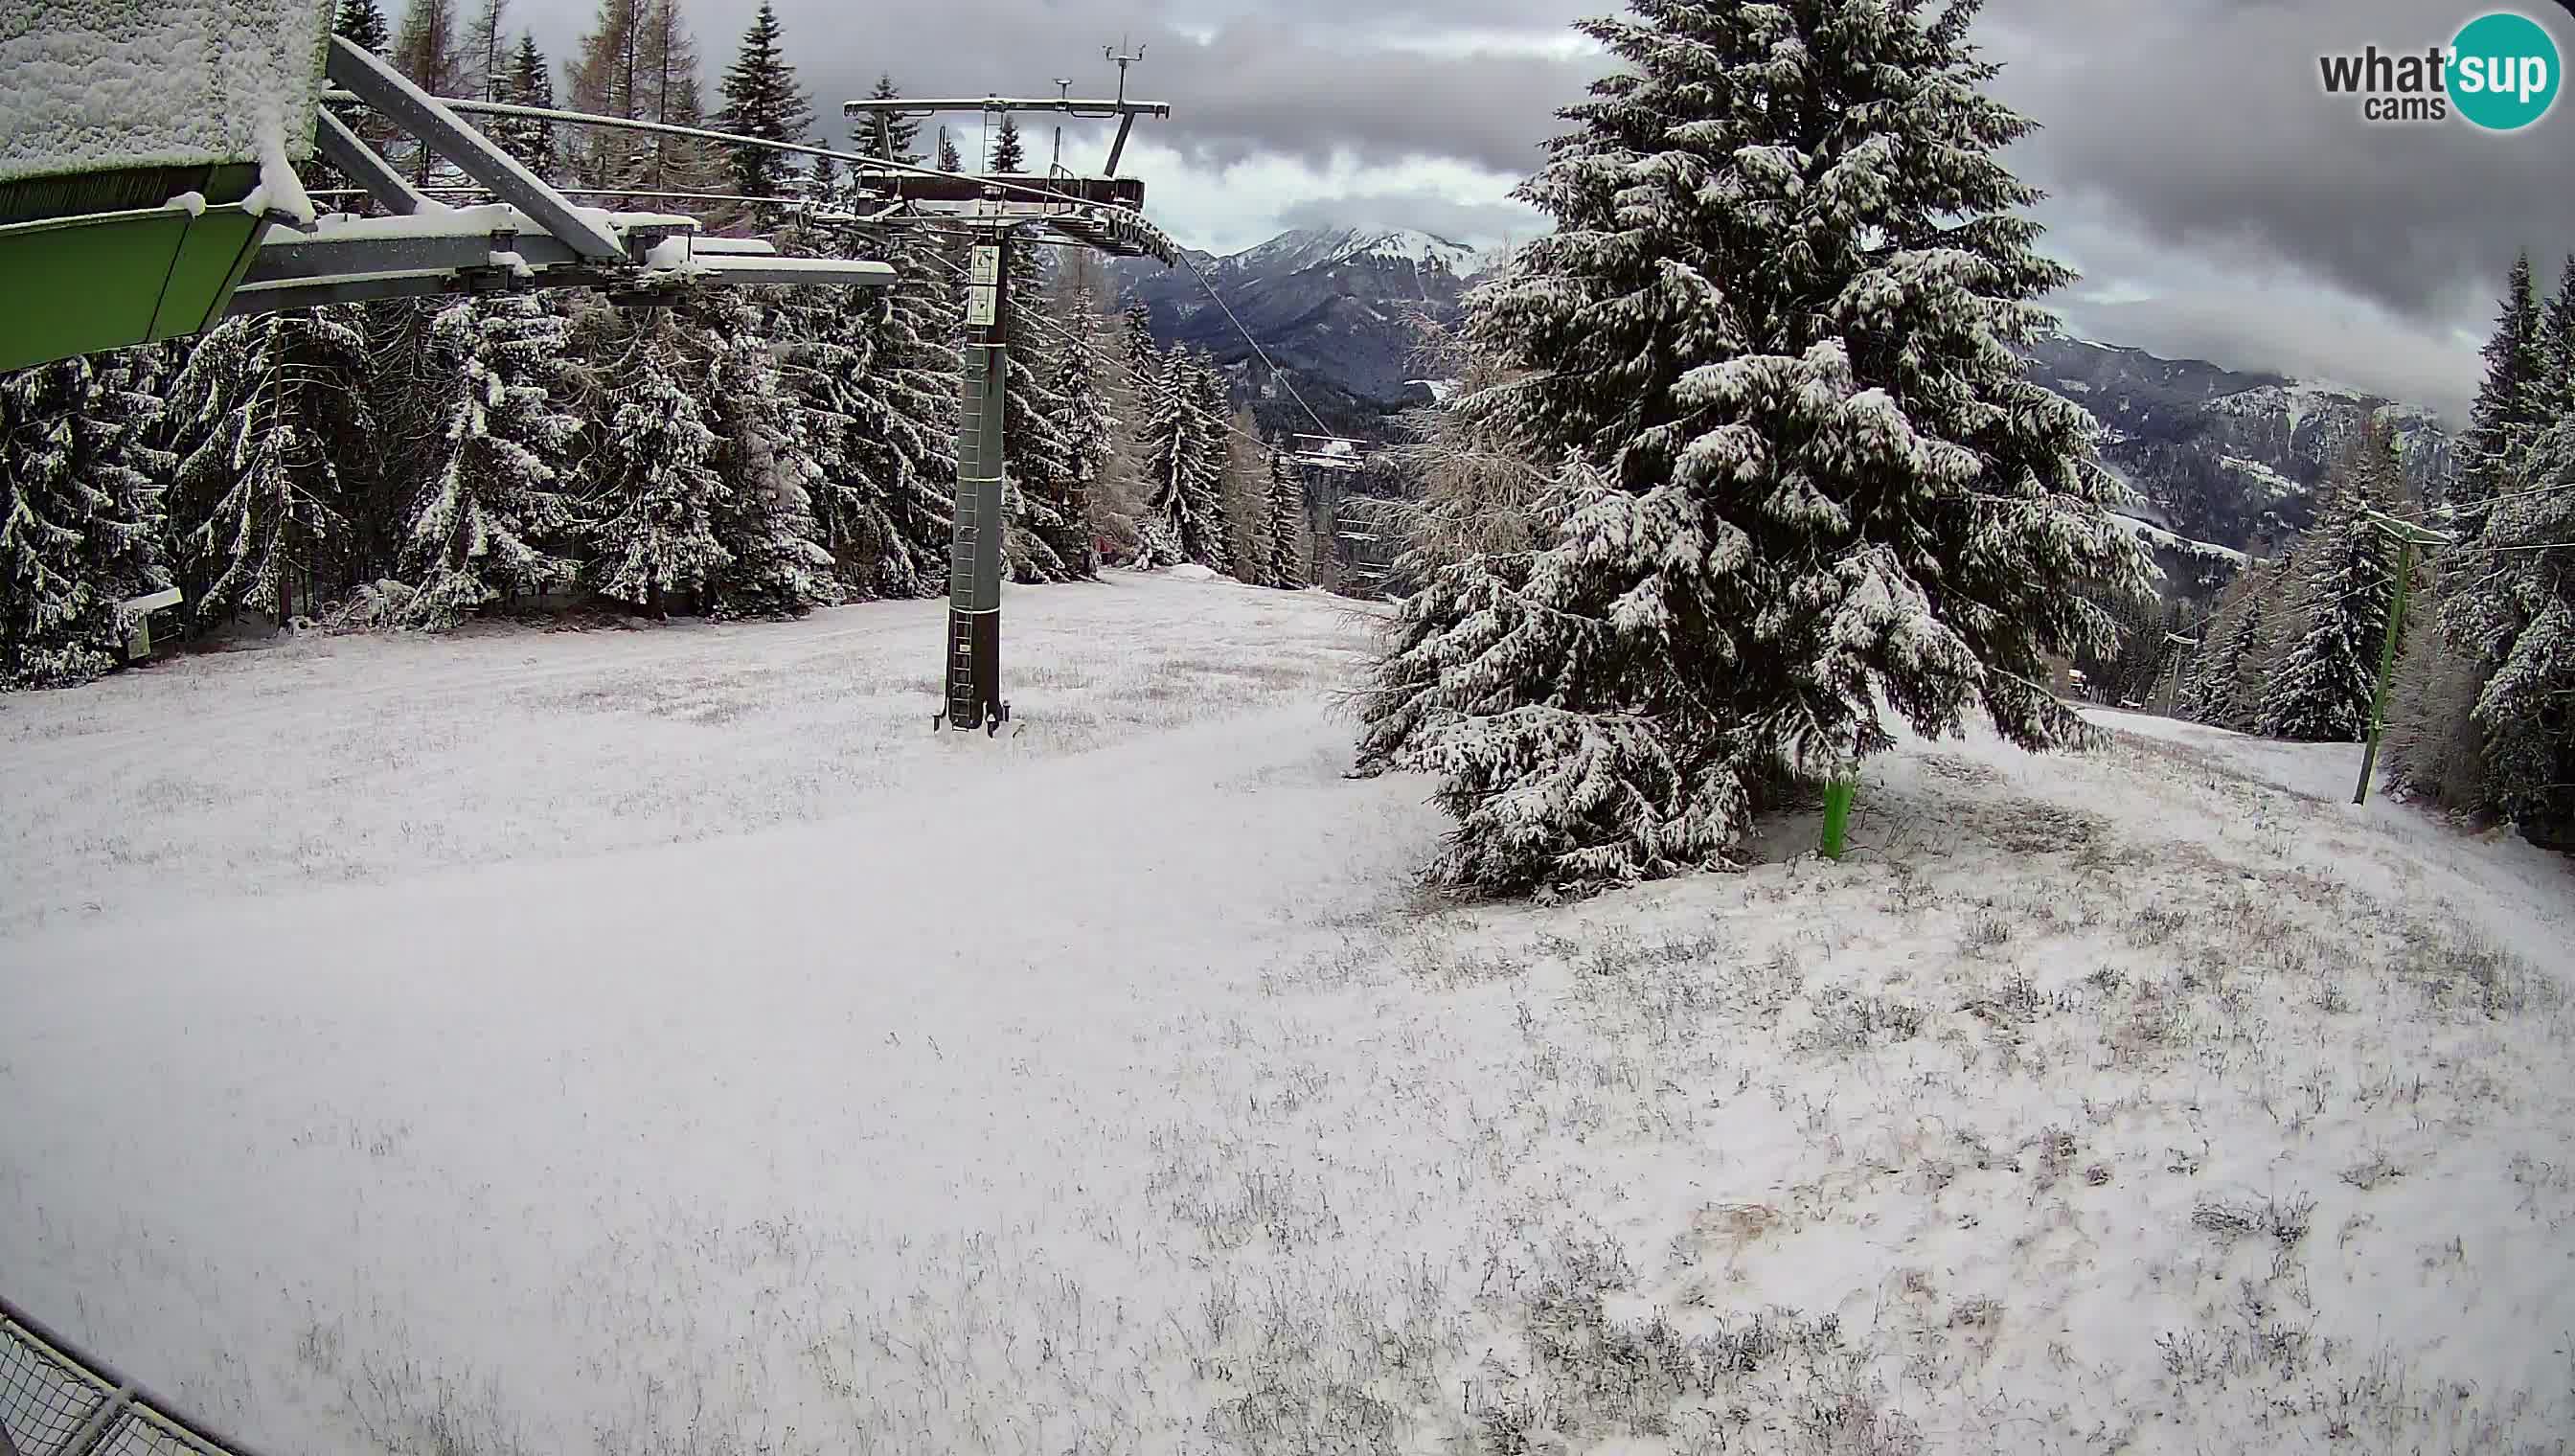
(97,85)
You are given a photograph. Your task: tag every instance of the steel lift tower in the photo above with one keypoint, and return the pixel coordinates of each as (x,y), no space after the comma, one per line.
(1100,211)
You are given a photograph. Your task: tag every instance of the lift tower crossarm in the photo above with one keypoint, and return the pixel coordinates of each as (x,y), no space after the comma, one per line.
(1119,105)
(1066,105)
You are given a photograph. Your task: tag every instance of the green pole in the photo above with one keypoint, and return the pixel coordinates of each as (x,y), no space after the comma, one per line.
(2386,665)
(1838,805)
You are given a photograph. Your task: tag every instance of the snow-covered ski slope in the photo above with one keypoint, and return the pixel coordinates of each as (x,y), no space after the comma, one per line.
(661,1041)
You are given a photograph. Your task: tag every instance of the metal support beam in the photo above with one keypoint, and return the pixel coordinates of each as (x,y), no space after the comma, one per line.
(378,84)
(1117,147)
(344,150)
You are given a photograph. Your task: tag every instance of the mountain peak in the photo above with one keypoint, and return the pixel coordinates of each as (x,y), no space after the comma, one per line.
(1305,248)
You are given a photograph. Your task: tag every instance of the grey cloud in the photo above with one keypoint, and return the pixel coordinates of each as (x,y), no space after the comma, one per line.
(2193,132)
(2205,125)
(1480,224)
(1278,80)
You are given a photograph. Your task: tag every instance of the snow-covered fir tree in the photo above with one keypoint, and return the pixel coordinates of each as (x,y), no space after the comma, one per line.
(1244,490)
(1086,419)
(904,423)
(949,159)
(2519,587)
(650,536)
(1804,484)
(1211,459)
(80,516)
(1183,461)
(1288,529)
(489,521)
(763,518)
(529,81)
(830,337)
(2227,649)
(2502,603)
(2506,411)
(904,130)
(1010,153)
(266,416)
(762,99)
(2320,689)
(363,22)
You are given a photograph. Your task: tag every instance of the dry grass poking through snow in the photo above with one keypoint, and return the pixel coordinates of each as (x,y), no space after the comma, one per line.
(2122,1102)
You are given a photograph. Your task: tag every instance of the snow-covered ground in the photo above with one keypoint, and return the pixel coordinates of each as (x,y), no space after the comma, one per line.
(661,1042)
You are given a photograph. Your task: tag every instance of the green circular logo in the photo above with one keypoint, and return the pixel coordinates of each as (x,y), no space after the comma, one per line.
(2504,72)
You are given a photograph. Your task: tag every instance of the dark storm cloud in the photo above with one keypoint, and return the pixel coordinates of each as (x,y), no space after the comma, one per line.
(2191,136)
(2205,124)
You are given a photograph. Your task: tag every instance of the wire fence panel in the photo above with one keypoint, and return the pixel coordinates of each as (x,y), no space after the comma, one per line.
(45,1400)
(57,1401)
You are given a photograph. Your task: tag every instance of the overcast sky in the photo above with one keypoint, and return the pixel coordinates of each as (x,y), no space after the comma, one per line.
(2218,202)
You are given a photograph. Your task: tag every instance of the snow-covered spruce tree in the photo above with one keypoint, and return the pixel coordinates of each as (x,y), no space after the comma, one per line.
(1085,418)
(1184,519)
(902,430)
(1010,152)
(2556,389)
(265,417)
(529,81)
(1288,529)
(2321,688)
(1805,483)
(763,517)
(2225,642)
(2523,567)
(948,161)
(650,535)
(2505,413)
(486,525)
(1211,459)
(763,100)
(829,338)
(80,516)
(906,129)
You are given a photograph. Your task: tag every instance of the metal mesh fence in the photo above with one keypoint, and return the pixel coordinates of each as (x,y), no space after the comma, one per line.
(56,1401)
(44,1399)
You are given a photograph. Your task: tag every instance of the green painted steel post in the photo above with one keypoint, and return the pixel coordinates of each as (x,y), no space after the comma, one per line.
(1838,805)
(2386,666)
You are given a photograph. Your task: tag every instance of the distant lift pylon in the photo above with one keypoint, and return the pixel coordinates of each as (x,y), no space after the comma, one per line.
(1100,211)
